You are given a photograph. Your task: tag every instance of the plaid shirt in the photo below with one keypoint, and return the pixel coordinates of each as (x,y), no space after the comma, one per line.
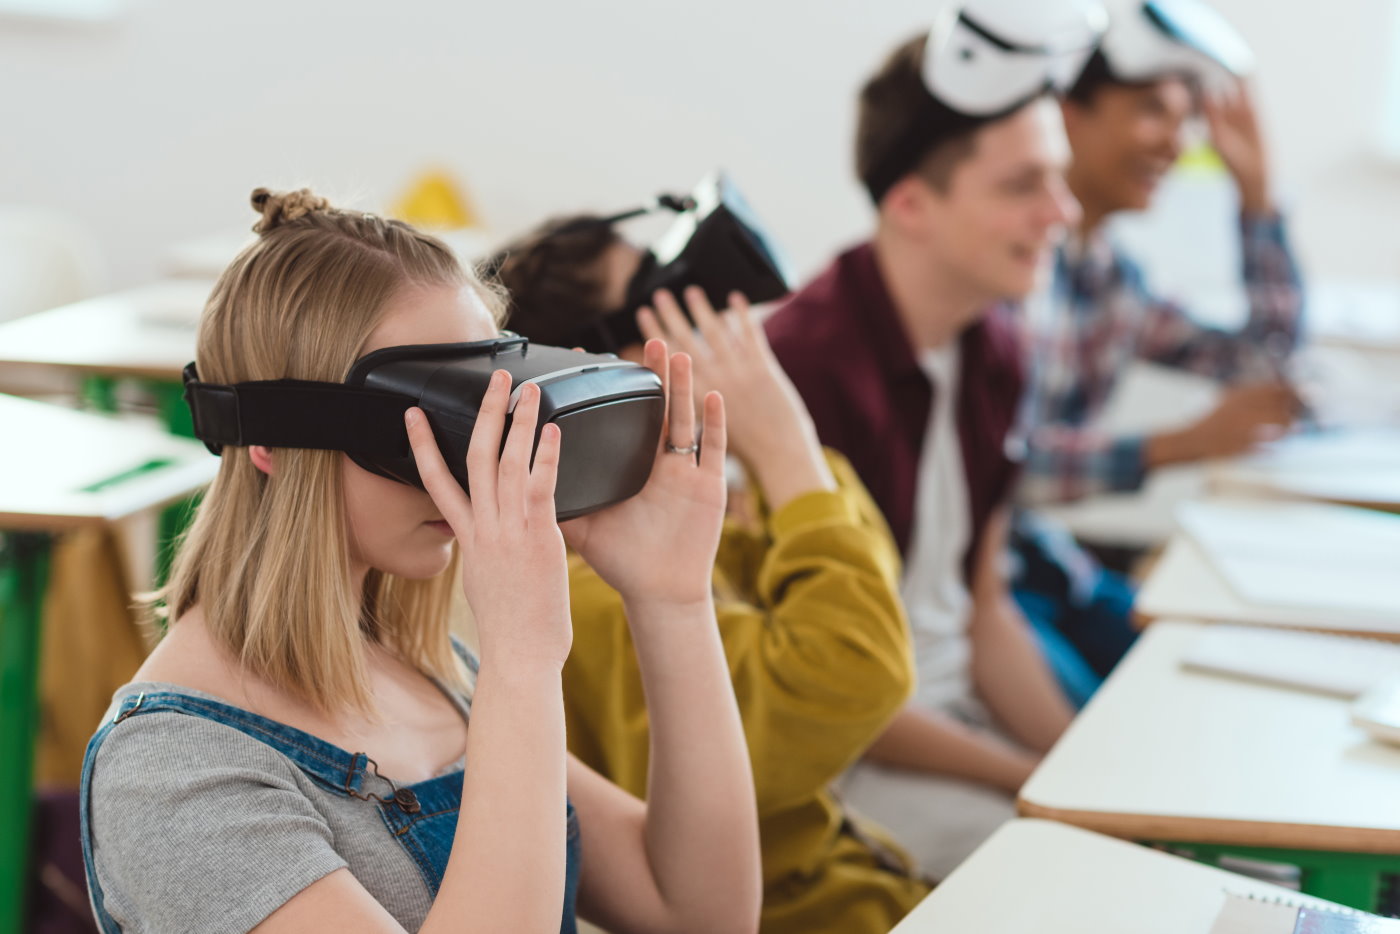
(1098,318)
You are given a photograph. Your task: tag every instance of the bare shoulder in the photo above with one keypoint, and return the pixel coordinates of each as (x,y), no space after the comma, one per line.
(189,656)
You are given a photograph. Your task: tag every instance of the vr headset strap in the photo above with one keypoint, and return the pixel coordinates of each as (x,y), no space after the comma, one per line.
(291,413)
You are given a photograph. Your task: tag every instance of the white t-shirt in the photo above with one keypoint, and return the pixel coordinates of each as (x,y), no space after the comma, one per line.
(934,589)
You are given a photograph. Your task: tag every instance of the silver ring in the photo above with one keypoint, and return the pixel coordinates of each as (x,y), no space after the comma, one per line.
(689,449)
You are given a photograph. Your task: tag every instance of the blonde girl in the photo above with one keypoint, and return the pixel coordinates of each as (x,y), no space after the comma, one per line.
(307,750)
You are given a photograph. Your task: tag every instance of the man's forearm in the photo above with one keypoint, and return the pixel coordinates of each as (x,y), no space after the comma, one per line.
(925,741)
(1013,677)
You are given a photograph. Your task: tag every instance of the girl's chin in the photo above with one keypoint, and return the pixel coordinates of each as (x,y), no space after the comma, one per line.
(419,563)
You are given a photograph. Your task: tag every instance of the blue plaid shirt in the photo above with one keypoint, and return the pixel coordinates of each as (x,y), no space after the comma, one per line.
(1100,318)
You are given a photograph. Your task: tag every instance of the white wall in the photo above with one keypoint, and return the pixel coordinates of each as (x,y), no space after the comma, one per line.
(155,128)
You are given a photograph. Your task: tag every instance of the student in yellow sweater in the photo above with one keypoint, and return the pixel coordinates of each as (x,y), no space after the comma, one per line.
(806,583)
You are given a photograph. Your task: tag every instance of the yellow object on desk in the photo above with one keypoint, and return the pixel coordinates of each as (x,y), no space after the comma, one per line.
(435,201)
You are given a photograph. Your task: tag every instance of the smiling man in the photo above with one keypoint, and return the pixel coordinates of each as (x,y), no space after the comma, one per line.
(1160,62)
(911,370)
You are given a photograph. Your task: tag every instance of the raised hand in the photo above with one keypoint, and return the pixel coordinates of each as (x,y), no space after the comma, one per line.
(1236,136)
(769,426)
(658,548)
(514,569)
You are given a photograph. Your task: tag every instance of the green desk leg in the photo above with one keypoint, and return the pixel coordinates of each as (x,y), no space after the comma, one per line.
(174,519)
(24,565)
(99,393)
(1351,879)
(170,400)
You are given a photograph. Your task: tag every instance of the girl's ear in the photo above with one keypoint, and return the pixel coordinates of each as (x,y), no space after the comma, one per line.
(261,457)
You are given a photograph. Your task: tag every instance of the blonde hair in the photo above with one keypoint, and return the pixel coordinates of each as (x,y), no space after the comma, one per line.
(267,557)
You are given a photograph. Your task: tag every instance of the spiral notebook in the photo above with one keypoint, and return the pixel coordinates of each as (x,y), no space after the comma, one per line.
(1248,915)
(1342,666)
(1302,556)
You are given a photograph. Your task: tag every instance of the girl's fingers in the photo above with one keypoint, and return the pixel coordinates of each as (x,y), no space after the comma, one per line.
(680,430)
(678,332)
(540,497)
(748,328)
(447,493)
(712,329)
(648,325)
(514,469)
(656,359)
(713,437)
(484,449)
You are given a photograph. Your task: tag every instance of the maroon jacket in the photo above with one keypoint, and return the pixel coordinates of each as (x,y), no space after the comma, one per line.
(842,343)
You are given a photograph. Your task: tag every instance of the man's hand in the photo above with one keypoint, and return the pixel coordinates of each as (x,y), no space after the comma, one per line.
(1244,417)
(1235,134)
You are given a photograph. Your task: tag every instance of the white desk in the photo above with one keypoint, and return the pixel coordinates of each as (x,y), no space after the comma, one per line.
(1141,520)
(69,468)
(61,469)
(1048,878)
(1163,753)
(1358,468)
(1357,313)
(1184,584)
(145,332)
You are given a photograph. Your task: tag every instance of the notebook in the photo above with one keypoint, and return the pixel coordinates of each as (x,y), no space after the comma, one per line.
(1342,666)
(1302,555)
(1378,712)
(1248,915)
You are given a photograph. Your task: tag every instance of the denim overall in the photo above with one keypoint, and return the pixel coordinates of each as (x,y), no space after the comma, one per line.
(421,817)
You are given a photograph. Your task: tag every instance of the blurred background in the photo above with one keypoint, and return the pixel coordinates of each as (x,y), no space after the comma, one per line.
(133,131)
(146,122)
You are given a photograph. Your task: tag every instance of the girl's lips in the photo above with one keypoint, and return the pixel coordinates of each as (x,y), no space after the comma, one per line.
(440,525)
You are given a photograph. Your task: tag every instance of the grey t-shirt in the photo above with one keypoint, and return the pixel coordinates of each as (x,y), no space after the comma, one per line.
(197,826)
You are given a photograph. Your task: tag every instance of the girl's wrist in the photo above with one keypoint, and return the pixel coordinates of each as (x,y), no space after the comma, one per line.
(671,609)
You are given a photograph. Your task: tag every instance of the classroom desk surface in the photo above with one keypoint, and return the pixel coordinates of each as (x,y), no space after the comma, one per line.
(61,469)
(144,332)
(1034,875)
(1162,753)
(1141,520)
(1354,468)
(75,468)
(1355,313)
(1184,584)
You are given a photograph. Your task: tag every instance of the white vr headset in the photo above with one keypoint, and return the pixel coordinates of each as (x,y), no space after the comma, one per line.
(1150,39)
(988,57)
(985,59)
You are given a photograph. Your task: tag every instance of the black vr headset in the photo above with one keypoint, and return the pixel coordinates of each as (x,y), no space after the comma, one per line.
(715,242)
(609,413)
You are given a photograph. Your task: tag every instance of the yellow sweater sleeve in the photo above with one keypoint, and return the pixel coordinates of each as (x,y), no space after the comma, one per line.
(814,632)
(819,646)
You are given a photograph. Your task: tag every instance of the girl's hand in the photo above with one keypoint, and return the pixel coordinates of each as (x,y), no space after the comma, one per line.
(769,425)
(514,570)
(659,546)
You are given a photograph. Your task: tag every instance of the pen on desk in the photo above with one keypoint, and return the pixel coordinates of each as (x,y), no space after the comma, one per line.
(1277,351)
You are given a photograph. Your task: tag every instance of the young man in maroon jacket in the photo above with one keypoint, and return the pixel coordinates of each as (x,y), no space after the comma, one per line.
(911,370)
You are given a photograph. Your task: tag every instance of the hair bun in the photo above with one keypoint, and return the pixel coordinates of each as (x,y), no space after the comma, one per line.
(281,207)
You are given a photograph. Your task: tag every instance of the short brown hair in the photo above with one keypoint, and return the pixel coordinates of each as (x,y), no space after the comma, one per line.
(892,99)
(555,277)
